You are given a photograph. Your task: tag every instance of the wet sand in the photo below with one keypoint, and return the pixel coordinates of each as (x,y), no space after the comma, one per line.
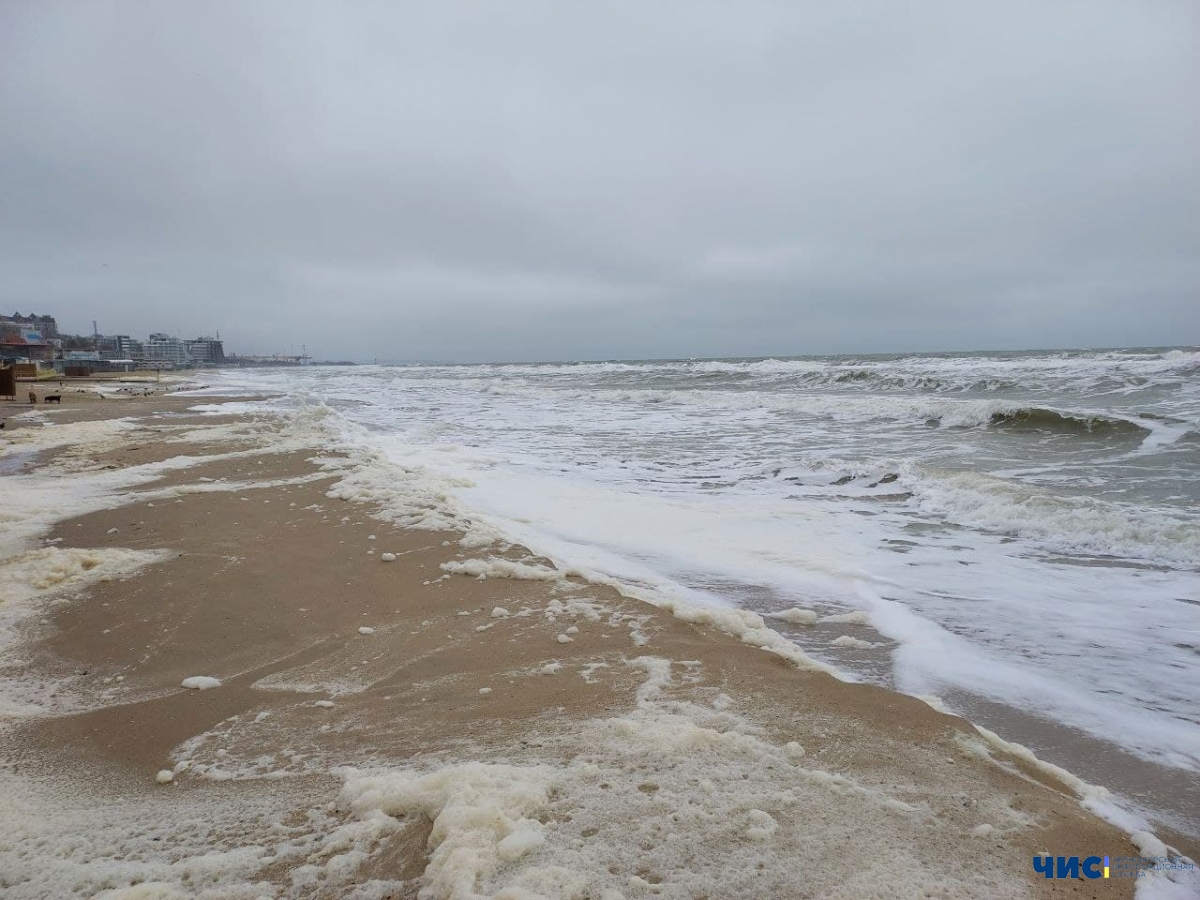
(612,718)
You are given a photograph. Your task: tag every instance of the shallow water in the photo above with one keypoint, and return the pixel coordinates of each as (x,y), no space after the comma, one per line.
(1023,529)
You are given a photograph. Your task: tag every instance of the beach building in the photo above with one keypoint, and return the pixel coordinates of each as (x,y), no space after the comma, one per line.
(115,346)
(206,351)
(29,337)
(44,327)
(167,352)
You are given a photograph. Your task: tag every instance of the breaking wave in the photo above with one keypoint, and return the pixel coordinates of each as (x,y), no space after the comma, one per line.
(1037,418)
(1073,525)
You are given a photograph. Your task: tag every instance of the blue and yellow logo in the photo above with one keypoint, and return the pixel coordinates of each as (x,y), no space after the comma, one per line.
(1099,867)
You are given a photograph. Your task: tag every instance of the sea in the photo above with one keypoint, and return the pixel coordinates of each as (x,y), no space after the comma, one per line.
(1014,533)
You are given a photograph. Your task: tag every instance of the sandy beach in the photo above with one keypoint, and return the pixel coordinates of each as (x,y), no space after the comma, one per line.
(388,703)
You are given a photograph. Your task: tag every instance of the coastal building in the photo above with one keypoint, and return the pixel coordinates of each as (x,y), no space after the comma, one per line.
(206,351)
(35,328)
(29,337)
(25,338)
(167,351)
(115,346)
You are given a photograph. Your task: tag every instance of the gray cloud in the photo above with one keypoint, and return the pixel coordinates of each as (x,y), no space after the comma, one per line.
(548,180)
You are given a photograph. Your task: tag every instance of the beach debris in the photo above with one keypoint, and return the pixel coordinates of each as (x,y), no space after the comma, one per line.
(164,776)
(565,639)
(200,682)
(387,557)
(365,629)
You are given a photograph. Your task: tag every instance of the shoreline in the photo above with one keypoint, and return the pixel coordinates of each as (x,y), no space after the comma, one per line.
(495,716)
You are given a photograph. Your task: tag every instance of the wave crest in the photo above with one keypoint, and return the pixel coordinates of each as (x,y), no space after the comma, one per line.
(1039,418)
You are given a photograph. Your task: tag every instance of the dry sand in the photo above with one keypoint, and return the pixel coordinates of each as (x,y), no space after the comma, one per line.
(615,746)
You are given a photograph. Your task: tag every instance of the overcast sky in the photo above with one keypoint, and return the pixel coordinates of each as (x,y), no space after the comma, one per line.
(564,180)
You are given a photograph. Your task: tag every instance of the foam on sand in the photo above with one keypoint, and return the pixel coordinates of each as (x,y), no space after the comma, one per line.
(678,800)
(200,683)
(54,570)
(31,580)
(1159,884)
(673,799)
(502,568)
(747,626)
(411,496)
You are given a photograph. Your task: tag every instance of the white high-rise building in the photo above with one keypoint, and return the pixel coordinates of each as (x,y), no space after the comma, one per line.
(206,351)
(166,349)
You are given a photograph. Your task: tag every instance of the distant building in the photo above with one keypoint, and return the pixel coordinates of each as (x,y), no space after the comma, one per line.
(206,351)
(36,329)
(27,337)
(169,352)
(115,346)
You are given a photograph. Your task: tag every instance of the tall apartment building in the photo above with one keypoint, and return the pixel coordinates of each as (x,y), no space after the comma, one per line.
(162,348)
(115,346)
(206,351)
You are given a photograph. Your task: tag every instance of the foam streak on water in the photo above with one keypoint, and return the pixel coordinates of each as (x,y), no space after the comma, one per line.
(1020,528)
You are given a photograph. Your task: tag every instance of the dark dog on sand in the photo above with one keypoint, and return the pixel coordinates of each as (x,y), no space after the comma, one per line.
(54,398)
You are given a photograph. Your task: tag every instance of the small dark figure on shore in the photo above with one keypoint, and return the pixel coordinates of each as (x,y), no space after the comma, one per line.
(32,397)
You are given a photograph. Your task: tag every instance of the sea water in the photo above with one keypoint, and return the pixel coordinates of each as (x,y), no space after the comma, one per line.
(1021,530)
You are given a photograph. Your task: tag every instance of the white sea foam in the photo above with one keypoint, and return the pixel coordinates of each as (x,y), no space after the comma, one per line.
(969,506)
(797,616)
(29,580)
(1081,524)
(858,617)
(502,568)
(739,817)
(850,642)
(200,682)
(672,798)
